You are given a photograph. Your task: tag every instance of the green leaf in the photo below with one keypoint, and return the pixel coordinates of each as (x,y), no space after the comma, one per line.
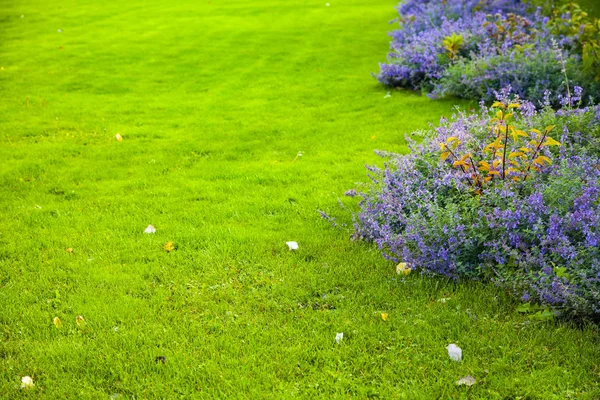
(524,308)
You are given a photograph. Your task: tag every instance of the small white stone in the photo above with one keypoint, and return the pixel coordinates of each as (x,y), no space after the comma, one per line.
(292,245)
(26,382)
(467,381)
(454,352)
(150,229)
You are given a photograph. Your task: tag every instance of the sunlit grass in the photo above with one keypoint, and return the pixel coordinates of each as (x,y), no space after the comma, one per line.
(214,100)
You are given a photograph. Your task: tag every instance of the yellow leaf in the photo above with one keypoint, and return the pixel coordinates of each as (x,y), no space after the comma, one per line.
(56,322)
(541,159)
(525,149)
(549,128)
(499,115)
(442,146)
(79,320)
(496,163)
(494,173)
(498,104)
(384,316)
(514,105)
(69,250)
(516,154)
(484,166)
(403,269)
(451,139)
(459,163)
(169,247)
(118,137)
(444,156)
(551,142)
(535,131)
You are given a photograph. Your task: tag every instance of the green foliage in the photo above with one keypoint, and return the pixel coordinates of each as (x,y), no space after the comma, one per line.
(452,44)
(571,21)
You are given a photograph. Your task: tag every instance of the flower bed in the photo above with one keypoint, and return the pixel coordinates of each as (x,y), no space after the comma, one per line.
(470,48)
(510,194)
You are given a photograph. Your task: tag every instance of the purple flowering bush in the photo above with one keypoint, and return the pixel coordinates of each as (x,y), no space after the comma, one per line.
(510,194)
(471,48)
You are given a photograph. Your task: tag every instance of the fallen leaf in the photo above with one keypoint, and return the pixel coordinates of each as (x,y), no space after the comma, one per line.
(69,250)
(454,352)
(292,245)
(339,337)
(384,316)
(467,381)
(403,269)
(169,247)
(150,229)
(26,382)
(56,322)
(118,137)
(79,320)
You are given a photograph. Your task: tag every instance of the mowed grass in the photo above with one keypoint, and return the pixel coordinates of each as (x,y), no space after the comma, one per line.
(214,100)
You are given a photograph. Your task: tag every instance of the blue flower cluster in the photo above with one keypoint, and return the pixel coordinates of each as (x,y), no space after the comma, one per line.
(539,236)
(470,48)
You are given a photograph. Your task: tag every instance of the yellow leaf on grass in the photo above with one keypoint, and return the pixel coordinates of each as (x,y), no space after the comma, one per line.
(403,269)
(57,323)
(169,247)
(118,137)
(384,316)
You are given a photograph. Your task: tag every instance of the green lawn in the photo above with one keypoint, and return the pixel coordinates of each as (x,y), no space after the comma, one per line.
(214,100)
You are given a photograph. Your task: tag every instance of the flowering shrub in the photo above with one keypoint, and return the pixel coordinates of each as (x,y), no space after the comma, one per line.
(510,194)
(469,48)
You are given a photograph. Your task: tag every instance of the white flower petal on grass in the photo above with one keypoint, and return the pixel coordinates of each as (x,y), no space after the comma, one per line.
(387,95)
(467,381)
(327,4)
(26,382)
(454,352)
(339,337)
(292,245)
(150,229)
